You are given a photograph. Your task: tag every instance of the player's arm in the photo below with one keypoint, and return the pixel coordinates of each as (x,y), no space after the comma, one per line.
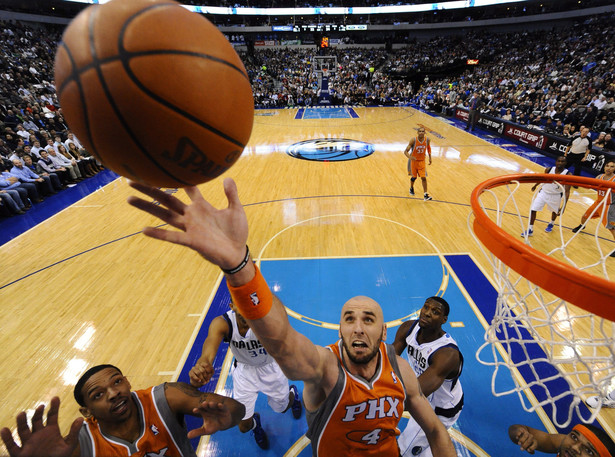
(296,355)
(220,237)
(203,369)
(530,439)
(429,150)
(218,412)
(420,409)
(410,146)
(443,362)
(400,337)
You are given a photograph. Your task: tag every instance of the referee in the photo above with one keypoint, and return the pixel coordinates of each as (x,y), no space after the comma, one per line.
(577,151)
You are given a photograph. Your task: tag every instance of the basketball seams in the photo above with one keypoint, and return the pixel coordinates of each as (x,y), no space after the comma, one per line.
(125,57)
(96,64)
(114,71)
(75,73)
(82,98)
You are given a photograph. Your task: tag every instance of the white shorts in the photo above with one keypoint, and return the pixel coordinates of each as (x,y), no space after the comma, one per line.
(413,441)
(269,379)
(553,201)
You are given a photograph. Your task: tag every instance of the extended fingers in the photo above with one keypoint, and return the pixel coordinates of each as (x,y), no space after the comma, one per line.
(230,189)
(168,200)
(72,439)
(37,419)
(9,442)
(22,427)
(52,414)
(168,216)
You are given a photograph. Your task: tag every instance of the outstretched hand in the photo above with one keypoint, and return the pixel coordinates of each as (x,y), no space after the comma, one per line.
(219,235)
(216,416)
(43,439)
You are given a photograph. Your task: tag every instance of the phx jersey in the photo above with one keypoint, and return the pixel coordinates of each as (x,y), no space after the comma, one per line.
(448,399)
(360,417)
(419,149)
(161,434)
(246,349)
(608,216)
(603,192)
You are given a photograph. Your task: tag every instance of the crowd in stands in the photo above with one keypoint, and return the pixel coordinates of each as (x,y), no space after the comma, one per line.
(556,81)
(285,78)
(553,81)
(39,156)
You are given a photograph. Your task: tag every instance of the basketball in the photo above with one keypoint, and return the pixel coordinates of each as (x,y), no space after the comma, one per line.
(154,91)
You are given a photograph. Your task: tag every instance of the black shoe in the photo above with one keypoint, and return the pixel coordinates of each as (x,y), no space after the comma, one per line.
(612,254)
(259,434)
(20,212)
(577,228)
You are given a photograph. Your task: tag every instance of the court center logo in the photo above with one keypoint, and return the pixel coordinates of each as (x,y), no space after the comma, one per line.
(330,149)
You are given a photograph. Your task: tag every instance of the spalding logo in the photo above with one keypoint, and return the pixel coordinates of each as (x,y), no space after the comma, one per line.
(330,149)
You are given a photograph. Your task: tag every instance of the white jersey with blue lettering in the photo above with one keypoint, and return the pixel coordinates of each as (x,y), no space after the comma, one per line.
(447,400)
(254,371)
(246,349)
(450,393)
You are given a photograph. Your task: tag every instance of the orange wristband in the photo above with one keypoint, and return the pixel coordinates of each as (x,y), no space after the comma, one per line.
(254,299)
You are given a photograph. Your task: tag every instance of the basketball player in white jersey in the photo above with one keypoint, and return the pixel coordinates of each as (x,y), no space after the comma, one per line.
(254,371)
(435,358)
(551,195)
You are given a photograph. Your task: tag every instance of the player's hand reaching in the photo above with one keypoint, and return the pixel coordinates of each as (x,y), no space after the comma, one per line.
(216,416)
(43,439)
(219,235)
(526,440)
(201,373)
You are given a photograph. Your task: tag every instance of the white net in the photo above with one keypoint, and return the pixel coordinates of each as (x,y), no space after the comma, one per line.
(557,353)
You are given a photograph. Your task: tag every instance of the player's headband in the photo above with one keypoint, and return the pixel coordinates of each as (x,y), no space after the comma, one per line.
(596,442)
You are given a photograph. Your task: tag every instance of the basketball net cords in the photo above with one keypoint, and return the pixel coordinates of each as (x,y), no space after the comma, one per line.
(509,319)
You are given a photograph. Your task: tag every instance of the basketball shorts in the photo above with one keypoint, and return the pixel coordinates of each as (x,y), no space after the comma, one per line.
(417,168)
(413,441)
(553,201)
(269,379)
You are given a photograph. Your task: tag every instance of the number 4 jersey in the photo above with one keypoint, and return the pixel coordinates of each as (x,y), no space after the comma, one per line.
(360,417)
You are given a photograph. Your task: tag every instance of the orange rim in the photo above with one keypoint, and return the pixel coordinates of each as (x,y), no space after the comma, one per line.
(590,292)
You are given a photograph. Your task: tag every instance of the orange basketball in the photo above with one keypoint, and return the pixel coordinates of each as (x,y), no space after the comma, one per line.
(154,91)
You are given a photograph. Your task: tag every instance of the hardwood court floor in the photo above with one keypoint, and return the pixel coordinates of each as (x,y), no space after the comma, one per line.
(103,293)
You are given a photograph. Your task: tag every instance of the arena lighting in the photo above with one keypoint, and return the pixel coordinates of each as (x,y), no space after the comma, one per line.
(460,4)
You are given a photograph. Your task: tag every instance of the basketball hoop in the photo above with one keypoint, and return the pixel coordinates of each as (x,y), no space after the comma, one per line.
(325,72)
(542,295)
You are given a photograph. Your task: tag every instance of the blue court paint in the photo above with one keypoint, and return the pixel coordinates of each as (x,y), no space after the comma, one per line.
(326,113)
(317,288)
(13,226)
(352,113)
(299,114)
(219,306)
